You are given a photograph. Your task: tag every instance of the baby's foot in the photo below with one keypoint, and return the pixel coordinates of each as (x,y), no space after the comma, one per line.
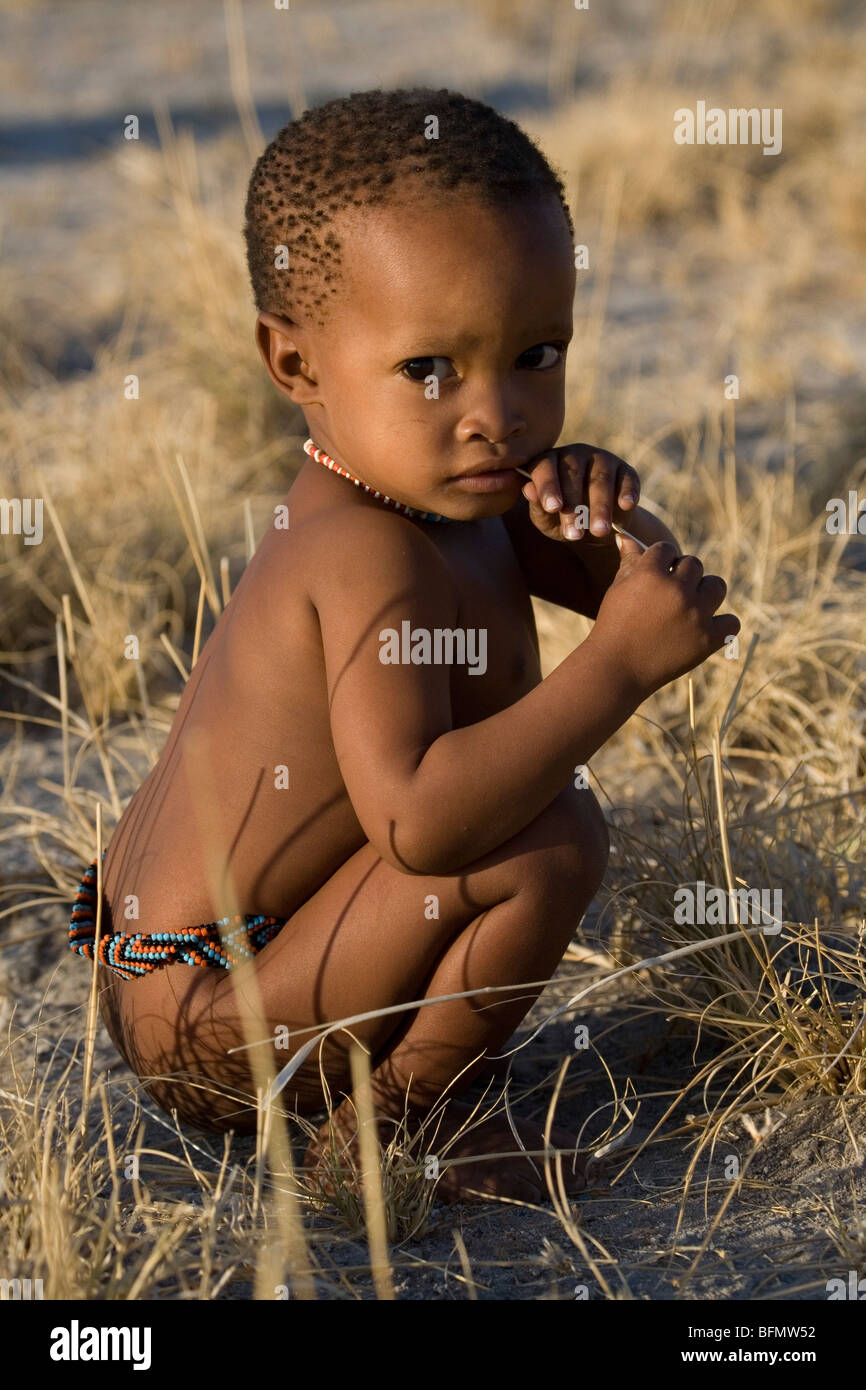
(470,1173)
(464,1169)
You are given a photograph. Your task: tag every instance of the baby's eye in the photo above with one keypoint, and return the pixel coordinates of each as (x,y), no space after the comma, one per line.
(542,357)
(419,368)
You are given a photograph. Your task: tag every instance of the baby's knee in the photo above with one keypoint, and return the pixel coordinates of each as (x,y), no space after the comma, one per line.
(573,845)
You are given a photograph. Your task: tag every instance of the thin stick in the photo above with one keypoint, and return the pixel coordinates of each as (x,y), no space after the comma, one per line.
(463,1256)
(723,828)
(67,555)
(628,535)
(104,759)
(248,527)
(371,1175)
(90,1034)
(79,585)
(199,614)
(225,583)
(107,1226)
(64,704)
(201,562)
(67,618)
(731,1193)
(558,1195)
(166,1242)
(174,656)
(143,695)
(196,517)
(260,1154)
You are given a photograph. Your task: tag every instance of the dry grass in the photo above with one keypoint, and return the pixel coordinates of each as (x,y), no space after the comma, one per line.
(758,780)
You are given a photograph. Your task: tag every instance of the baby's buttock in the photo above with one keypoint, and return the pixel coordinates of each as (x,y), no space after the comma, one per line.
(163,867)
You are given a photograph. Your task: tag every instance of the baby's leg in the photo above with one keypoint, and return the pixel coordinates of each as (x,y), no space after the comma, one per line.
(367,940)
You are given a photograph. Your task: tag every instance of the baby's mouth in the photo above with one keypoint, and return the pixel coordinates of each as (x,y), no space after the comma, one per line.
(487,467)
(491,475)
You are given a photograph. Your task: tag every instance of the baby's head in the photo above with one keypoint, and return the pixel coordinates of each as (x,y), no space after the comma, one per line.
(411,255)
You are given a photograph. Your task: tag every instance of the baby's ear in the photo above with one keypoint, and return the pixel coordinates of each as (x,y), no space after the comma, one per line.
(278,342)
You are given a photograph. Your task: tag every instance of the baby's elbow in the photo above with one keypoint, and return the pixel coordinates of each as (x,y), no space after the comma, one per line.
(409,857)
(404,827)
(410,850)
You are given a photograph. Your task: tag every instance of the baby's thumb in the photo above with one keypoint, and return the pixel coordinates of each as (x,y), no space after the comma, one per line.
(629,551)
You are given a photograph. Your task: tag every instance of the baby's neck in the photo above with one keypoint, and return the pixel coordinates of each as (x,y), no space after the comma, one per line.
(321,457)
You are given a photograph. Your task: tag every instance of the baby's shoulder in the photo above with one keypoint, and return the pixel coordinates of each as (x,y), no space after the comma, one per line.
(358,544)
(383,570)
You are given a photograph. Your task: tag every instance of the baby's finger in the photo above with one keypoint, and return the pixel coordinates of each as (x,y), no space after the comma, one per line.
(547,522)
(689,571)
(629,486)
(722,626)
(713,590)
(572,477)
(545,477)
(630,552)
(662,556)
(602,481)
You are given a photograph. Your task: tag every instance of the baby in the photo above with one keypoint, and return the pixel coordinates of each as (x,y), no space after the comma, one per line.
(366,773)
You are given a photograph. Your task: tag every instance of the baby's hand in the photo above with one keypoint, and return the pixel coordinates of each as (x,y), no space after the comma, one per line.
(580,476)
(658,614)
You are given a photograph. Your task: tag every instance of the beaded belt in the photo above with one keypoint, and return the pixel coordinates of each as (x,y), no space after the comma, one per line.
(225,944)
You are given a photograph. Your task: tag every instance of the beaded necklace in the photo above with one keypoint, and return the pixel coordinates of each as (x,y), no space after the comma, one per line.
(321,457)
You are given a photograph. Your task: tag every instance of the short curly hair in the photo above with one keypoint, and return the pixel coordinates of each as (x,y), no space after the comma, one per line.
(356,151)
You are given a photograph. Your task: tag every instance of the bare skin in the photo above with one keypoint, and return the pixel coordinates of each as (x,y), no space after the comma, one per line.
(409,785)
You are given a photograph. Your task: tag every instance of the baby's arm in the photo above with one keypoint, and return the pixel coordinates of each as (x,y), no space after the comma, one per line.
(576,574)
(432,798)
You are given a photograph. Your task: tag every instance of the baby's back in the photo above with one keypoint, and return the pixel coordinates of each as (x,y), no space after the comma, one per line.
(249,766)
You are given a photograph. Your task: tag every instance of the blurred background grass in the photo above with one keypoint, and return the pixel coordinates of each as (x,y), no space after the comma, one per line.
(126,257)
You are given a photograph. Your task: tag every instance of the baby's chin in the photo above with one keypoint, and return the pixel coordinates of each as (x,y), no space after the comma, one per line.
(478,509)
